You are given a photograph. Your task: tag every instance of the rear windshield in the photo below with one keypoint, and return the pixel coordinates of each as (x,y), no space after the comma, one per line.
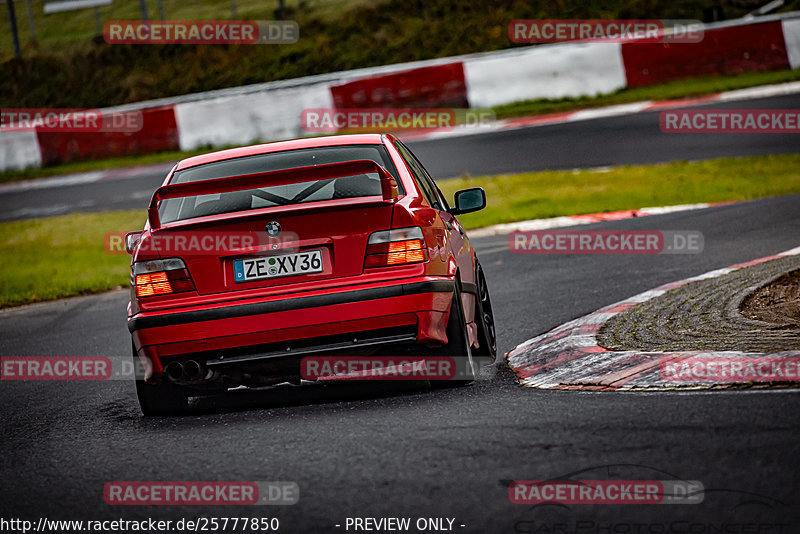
(362,185)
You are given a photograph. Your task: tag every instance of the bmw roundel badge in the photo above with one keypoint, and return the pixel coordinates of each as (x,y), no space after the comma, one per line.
(273,228)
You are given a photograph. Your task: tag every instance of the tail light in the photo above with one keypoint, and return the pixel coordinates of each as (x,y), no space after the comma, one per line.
(396,247)
(161,277)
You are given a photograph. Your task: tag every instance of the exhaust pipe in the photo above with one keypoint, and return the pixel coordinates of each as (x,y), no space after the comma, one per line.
(188,371)
(194,371)
(174,371)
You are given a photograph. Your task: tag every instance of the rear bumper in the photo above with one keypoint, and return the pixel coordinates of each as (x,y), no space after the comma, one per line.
(423,303)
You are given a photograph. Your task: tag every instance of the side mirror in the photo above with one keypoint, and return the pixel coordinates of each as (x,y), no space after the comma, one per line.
(469,200)
(131,240)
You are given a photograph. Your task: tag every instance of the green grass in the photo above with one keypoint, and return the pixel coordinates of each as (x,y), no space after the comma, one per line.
(518,197)
(62,31)
(668,91)
(62,256)
(70,67)
(57,257)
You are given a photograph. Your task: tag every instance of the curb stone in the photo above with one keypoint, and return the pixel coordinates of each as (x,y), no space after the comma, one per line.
(569,357)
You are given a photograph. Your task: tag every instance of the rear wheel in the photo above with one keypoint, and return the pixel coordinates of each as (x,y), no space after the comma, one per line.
(158,399)
(458,345)
(484,318)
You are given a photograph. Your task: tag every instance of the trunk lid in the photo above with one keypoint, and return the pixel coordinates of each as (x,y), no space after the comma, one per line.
(229,243)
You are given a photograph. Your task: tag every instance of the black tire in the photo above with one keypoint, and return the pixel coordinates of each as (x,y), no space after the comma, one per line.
(158,399)
(457,344)
(484,318)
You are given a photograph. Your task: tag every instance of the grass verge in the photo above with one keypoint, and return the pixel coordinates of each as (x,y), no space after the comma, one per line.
(73,67)
(62,256)
(55,257)
(534,195)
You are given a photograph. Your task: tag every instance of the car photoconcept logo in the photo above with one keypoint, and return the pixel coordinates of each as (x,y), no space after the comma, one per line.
(273,228)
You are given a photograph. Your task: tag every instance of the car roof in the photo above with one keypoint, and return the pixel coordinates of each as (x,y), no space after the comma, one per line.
(277,146)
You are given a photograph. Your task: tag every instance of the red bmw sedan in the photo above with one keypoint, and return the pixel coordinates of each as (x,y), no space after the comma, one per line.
(255,258)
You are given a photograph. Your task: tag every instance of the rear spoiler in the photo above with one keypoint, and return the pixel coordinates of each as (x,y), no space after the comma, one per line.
(261,179)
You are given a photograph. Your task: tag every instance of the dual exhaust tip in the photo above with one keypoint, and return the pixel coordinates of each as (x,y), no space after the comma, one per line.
(189,371)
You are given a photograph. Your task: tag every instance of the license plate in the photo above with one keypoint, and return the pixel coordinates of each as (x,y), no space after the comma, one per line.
(251,269)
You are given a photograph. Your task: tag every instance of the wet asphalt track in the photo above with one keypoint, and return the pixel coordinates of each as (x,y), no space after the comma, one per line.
(364,453)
